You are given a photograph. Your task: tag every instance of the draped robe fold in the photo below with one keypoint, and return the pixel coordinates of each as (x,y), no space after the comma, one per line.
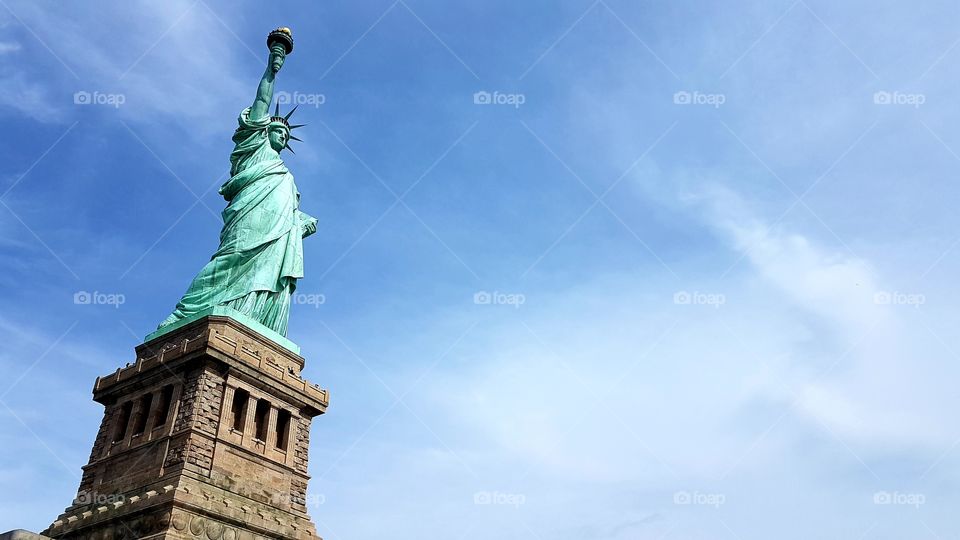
(260,258)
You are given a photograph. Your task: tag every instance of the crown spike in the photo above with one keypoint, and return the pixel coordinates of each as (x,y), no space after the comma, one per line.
(276,111)
(295,126)
(287,147)
(289,114)
(294,138)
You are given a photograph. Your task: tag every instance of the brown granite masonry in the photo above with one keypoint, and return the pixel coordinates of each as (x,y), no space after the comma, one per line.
(205,436)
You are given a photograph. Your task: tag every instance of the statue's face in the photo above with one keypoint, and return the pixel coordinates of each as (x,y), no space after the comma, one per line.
(278,136)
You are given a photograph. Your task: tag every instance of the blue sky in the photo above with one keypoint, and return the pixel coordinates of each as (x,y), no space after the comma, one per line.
(720,241)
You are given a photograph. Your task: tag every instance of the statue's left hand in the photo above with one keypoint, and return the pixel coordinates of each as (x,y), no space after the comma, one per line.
(308,224)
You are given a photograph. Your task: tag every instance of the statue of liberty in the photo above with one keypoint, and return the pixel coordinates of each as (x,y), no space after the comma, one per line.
(260,258)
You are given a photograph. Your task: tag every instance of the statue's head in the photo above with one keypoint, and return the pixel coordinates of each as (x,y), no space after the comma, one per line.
(278,134)
(278,131)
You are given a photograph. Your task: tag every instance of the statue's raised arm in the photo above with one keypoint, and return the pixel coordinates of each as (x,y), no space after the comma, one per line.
(281,44)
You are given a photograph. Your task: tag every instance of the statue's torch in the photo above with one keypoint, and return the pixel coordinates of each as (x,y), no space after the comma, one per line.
(282,36)
(280,44)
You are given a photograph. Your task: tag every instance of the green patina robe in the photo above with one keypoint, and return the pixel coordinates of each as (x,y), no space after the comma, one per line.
(260,258)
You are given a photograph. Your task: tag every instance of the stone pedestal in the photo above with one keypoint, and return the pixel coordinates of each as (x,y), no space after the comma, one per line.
(204,436)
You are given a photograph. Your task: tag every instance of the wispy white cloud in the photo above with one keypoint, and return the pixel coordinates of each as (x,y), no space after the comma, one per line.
(7,47)
(871,387)
(164,70)
(31,98)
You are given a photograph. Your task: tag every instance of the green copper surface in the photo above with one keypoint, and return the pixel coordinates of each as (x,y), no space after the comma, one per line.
(255,270)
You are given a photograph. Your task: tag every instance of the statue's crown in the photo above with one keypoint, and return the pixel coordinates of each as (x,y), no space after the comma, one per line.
(285,120)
